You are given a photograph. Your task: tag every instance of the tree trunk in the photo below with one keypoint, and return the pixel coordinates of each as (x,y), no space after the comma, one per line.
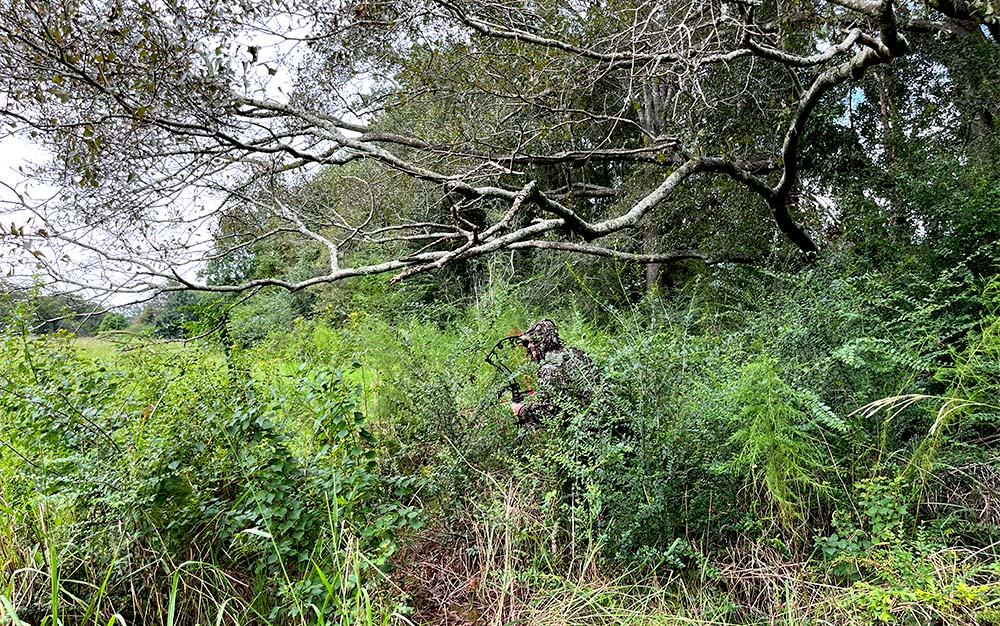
(652,111)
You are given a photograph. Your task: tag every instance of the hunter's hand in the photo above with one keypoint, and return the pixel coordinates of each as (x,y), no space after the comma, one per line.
(516,408)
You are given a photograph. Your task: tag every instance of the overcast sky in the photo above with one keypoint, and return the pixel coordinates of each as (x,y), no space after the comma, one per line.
(17,153)
(14,154)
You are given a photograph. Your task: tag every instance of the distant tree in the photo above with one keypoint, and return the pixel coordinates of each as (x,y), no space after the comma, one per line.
(177,311)
(112,321)
(49,313)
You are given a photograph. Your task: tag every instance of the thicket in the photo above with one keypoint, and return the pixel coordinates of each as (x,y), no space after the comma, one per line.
(815,445)
(786,448)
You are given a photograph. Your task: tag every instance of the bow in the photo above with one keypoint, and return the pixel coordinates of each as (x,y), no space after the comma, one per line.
(517,393)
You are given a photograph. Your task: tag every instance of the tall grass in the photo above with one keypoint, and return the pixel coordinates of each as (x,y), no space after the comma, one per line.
(741,483)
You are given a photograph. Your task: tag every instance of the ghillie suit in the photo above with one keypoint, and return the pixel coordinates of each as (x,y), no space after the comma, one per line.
(567,378)
(584,455)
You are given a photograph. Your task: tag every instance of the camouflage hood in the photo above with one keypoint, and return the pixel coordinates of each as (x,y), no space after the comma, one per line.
(545,336)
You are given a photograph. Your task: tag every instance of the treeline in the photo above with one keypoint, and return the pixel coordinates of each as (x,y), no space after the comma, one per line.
(50,313)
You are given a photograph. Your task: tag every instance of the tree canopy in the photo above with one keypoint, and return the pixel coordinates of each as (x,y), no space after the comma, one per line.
(406,135)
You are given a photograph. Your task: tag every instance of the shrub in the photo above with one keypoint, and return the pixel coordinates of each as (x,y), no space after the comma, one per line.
(113,321)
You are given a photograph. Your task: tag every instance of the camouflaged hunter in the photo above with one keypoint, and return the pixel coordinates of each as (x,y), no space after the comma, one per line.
(566,375)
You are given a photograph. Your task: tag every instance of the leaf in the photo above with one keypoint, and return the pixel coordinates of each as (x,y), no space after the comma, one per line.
(256,532)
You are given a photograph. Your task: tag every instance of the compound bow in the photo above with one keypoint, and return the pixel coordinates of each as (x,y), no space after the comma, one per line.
(517,393)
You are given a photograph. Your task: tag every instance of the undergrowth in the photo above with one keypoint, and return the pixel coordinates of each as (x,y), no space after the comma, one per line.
(809,448)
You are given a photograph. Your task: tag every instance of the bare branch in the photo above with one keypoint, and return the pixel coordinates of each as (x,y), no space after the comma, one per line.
(610,253)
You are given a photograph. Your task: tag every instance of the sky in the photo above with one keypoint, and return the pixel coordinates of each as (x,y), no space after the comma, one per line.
(15,153)
(17,158)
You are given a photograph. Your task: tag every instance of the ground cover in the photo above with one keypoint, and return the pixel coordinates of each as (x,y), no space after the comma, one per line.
(825,456)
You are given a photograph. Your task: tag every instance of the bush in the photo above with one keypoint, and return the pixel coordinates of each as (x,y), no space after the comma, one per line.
(761,437)
(160,458)
(112,321)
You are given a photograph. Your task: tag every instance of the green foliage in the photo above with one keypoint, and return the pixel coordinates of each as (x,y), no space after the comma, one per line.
(113,321)
(909,583)
(780,446)
(254,321)
(878,519)
(323,462)
(49,313)
(342,454)
(113,449)
(173,313)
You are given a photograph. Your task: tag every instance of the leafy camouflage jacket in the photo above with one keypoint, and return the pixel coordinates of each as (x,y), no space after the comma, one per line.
(567,379)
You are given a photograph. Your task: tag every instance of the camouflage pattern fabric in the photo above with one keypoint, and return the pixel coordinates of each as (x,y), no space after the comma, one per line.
(566,376)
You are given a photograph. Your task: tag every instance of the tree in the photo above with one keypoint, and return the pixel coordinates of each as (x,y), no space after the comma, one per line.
(113,321)
(49,313)
(457,129)
(177,311)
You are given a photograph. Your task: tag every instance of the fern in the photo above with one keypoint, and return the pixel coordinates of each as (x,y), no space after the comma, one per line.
(783,461)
